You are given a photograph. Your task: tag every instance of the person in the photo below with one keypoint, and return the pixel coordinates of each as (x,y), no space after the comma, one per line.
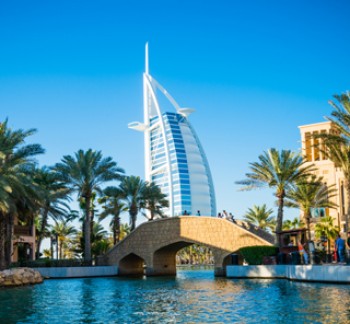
(198,212)
(185,212)
(224,214)
(348,245)
(232,218)
(219,215)
(340,248)
(303,253)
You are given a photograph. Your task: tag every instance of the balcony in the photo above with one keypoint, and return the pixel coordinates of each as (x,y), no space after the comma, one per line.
(23,230)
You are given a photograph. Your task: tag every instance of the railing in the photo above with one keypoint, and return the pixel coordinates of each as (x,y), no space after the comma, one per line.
(23,230)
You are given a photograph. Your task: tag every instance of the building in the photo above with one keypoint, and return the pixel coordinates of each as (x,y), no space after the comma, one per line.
(23,241)
(174,157)
(312,150)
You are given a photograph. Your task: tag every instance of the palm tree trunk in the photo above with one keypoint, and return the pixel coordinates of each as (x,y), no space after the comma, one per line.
(133,216)
(279,219)
(347,223)
(42,231)
(8,239)
(87,232)
(117,230)
(307,218)
(2,242)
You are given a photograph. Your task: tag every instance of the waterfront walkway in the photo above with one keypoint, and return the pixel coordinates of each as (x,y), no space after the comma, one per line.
(334,273)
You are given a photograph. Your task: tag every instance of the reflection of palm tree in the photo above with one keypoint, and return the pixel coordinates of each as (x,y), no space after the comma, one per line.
(133,192)
(85,172)
(278,170)
(261,216)
(112,204)
(310,194)
(326,228)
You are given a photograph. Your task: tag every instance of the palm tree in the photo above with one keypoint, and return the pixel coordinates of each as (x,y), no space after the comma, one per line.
(124,231)
(310,194)
(99,240)
(261,216)
(16,188)
(154,201)
(292,224)
(53,196)
(278,170)
(133,189)
(326,228)
(63,231)
(338,144)
(85,172)
(112,204)
(341,114)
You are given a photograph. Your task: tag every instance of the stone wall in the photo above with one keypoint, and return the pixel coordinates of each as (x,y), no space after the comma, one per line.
(156,243)
(19,277)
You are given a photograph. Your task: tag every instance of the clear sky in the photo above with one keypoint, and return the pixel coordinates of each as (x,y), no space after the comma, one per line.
(253,70)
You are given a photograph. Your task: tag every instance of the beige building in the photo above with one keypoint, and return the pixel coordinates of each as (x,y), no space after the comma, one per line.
(312,150)
(23,243)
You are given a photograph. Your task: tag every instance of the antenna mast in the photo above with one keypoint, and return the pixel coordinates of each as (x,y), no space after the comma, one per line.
(146,58)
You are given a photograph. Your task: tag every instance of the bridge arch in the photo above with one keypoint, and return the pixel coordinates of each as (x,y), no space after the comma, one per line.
(156,243)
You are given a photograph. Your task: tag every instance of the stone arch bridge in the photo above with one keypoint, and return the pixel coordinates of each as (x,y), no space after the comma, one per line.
(153,245)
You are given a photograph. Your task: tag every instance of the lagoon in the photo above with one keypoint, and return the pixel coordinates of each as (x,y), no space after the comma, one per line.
(194,296)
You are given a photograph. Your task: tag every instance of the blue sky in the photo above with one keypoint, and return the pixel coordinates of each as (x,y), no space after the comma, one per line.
(253,70)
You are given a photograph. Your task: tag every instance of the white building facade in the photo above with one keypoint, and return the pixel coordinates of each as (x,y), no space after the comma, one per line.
(174,157)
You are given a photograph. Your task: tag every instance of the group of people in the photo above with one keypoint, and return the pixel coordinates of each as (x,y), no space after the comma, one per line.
(227,216)
(224,215)
(185,213)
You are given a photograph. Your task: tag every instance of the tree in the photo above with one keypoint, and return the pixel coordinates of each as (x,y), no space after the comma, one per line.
(16,188)
(53,195)
(338,143)
(326,228)
(154,201)
(133,189)
(124,231)
(292,224)
(85,172)
(113,205)
(341,114)
(310,194)
(278,170)
(261,216)
(63,231)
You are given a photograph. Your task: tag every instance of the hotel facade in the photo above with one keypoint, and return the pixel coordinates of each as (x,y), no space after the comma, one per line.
(312,150)
(174,157)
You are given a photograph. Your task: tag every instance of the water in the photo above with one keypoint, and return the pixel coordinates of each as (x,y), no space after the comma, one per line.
(191,297)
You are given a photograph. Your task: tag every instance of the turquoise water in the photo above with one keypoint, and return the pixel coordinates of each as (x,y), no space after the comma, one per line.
(191,297)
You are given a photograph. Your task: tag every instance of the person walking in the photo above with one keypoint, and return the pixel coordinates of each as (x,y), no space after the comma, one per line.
(340,247)
(198,212)
(303,253)
(348,246)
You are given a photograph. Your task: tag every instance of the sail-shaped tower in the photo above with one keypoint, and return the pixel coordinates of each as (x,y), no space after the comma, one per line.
(174,157)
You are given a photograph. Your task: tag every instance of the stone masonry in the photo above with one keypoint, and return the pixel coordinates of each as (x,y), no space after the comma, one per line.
(155,244)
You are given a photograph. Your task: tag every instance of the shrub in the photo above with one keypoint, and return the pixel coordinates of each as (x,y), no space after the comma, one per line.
(254,255)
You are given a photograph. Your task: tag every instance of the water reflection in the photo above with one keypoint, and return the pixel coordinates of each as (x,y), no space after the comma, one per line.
(191,297)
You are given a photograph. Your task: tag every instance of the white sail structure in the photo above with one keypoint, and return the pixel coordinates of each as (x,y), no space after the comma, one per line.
(174,158)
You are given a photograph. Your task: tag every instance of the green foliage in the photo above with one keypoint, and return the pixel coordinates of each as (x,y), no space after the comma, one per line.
(254,254)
